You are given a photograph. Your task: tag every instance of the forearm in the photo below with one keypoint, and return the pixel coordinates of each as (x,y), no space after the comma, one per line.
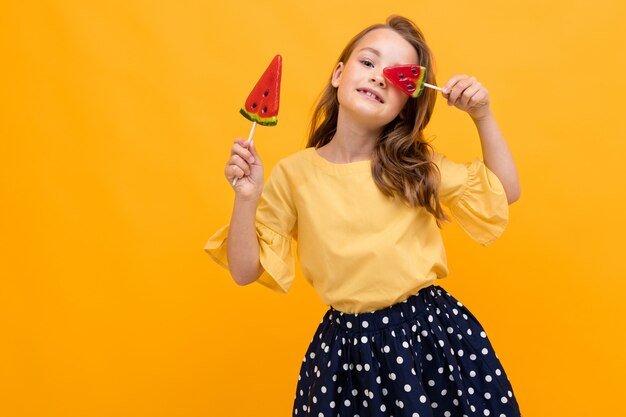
(243,245)
(497,155)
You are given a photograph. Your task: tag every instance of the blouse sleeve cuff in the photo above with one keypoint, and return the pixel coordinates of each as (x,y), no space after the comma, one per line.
(482,211)
(276,256)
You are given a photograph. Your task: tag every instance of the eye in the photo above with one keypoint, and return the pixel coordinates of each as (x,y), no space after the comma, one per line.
(367,63)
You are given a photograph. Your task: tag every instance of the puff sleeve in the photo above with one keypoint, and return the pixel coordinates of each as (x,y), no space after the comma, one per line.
(475,197)
(275,229)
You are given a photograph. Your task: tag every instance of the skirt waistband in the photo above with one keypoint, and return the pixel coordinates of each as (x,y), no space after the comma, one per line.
(387,317)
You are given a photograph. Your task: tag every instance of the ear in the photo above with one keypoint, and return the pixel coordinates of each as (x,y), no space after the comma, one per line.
(337,75)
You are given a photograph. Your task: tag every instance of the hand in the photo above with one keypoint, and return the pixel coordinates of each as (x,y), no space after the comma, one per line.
(467,94)
(245,165)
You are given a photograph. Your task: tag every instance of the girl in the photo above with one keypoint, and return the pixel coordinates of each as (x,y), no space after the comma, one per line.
(364,202)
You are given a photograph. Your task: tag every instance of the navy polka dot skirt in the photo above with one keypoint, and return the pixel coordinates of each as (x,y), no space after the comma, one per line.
(427,356)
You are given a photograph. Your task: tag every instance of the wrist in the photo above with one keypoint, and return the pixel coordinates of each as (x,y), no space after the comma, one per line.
(250,201)
(482,116)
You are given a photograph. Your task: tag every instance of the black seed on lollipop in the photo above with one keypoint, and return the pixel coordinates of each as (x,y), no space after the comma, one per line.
(254,105)
(264,109)
(414,71)
(266,93)
(410,87)
(401,76)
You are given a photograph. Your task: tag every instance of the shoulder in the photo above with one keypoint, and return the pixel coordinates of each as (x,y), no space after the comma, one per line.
(439,158)
(446,166)
(454,177)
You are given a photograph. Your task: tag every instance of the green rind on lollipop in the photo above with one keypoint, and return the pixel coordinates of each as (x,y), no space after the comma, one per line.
(420,82)
(253,117)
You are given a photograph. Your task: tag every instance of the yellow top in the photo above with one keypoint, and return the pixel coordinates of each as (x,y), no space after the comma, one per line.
(360,250)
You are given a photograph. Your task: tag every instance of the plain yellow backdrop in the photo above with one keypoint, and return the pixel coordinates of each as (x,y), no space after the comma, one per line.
(116,121)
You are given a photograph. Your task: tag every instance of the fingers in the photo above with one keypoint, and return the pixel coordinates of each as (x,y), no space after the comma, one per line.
(238,165)
(240,148)
(456,87)
(452,82)
(233,171)
(465,92)
(469,93)
(243,168)
(243,160)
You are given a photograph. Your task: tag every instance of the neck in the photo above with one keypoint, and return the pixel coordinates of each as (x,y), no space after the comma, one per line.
(352,142)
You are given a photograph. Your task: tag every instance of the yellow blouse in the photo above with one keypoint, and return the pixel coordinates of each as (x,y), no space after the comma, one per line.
(360,250)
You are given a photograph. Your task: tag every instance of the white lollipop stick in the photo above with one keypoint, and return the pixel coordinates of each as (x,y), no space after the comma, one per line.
(434,87)
(249,139)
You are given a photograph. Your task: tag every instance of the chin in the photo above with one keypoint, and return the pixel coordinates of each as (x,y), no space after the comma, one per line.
(373,118)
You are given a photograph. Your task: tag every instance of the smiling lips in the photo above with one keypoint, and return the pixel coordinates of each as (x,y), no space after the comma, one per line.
(370,93)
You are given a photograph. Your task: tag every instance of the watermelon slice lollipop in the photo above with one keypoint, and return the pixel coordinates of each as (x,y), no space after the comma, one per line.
(408,78)
(263,102)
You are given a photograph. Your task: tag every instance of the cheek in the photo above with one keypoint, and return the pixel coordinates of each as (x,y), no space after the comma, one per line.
(341,91)
(400,99)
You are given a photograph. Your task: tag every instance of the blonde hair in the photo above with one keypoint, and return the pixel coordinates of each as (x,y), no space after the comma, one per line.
(402,163)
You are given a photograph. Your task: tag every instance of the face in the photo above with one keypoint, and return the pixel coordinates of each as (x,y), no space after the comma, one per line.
(364,95)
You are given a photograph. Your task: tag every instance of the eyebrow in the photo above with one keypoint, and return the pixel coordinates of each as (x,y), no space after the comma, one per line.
(367,48)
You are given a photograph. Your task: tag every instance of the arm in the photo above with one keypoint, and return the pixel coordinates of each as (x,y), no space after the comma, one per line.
(467,94)
(243,245)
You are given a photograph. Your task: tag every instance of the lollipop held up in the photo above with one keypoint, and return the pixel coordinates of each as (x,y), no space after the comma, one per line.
(263,102)
(409,79)
(461,91)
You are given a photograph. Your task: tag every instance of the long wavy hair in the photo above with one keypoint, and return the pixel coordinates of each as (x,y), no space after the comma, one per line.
(402,164)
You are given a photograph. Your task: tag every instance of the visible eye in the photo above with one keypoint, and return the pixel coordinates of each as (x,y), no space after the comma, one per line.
(367,63)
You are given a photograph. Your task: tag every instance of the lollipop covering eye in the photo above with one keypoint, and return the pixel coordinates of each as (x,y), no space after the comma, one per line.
(408,78)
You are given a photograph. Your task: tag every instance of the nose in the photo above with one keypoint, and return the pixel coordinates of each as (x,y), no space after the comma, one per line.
(378,79)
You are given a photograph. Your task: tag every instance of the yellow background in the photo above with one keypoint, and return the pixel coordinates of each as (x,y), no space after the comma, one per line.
(117,119)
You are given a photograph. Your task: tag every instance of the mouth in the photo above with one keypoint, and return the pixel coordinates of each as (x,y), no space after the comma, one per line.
(370,93)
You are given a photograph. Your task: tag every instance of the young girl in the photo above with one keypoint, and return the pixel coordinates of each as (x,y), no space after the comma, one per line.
(364,202)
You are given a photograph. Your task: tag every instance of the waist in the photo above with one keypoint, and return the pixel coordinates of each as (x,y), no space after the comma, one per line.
(386,317)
